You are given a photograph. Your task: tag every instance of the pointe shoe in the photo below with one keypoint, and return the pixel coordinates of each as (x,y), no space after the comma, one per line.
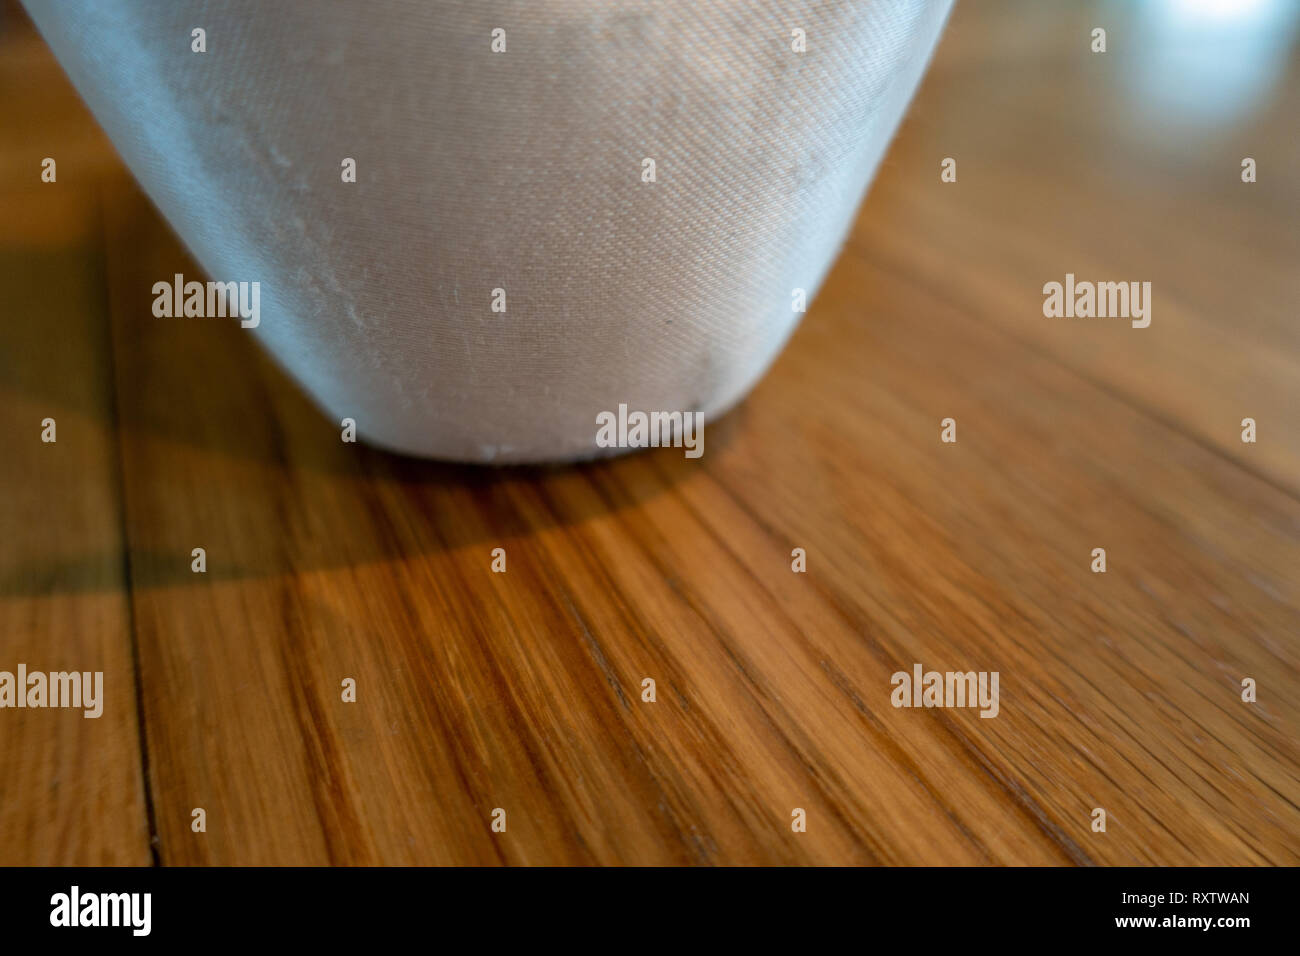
(507,265)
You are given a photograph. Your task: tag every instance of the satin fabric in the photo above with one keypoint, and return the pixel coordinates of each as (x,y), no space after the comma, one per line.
(519,170)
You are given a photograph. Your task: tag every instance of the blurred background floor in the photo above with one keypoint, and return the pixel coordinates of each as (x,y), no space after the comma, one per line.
(522,690)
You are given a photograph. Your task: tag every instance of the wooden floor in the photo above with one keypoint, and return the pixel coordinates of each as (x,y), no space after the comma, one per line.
(522,690)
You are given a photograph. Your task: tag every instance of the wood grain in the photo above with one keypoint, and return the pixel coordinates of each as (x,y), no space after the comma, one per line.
(71,788)
(522,690)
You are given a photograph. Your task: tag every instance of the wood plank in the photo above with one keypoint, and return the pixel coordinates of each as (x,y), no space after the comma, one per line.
(521,690)
(71,788)
(1062,168)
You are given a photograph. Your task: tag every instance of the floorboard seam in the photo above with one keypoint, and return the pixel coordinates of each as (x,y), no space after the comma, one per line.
(155,850)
